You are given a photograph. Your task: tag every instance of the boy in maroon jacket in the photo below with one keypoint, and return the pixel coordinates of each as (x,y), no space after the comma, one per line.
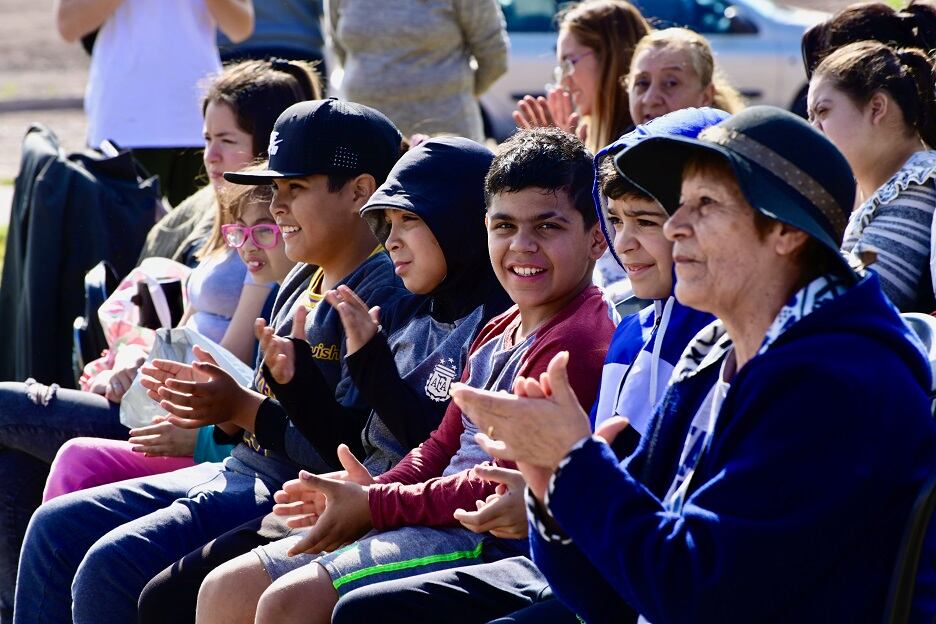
(543,240)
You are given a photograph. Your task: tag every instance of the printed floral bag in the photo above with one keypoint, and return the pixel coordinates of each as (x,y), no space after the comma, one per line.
(120,313)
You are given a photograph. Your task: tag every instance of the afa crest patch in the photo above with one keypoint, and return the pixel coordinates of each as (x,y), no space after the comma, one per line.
(437,386)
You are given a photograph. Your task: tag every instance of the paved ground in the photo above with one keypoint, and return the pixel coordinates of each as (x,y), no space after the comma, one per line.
(42,80)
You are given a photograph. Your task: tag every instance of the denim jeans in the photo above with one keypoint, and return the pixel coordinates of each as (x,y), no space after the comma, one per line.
(35,420)
(104,544)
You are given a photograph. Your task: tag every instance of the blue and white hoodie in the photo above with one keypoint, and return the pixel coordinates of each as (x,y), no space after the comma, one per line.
(647,344)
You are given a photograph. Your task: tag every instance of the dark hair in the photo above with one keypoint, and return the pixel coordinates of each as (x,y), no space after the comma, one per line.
(914,26)
(862,69)
(258,91)
(613,184)
(545,158)
(813,258)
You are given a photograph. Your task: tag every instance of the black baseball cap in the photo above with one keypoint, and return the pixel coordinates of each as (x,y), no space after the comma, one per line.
(327,136)
(786,169)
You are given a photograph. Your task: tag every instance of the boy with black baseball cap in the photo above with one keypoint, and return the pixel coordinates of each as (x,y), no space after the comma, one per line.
(326,159)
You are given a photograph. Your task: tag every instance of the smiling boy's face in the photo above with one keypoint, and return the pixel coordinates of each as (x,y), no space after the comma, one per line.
(541,251)
(309,215)
(640,245)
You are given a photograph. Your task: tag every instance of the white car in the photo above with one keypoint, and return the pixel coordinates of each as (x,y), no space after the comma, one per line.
(756,45)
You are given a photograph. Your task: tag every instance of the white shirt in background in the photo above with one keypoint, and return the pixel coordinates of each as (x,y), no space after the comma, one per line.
(149,63)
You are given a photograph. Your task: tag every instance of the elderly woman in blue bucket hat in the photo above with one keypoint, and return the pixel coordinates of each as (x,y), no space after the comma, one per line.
(777,473)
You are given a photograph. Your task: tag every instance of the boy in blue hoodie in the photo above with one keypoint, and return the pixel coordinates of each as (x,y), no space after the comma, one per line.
(646,344)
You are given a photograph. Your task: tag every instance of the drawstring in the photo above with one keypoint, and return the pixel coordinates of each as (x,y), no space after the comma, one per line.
(657,317)
(657,337)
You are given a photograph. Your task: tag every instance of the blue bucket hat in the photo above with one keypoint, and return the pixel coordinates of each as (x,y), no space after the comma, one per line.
(687,122)
(786,170)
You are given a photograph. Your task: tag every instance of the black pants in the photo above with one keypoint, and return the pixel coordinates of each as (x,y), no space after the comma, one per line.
(180,170)
(172,594)
(509,590)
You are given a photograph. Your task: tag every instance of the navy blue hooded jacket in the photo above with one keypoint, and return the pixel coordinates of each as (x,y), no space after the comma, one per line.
(427,337)
(796,510)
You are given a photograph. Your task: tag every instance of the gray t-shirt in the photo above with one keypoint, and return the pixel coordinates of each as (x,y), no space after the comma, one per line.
(494,367)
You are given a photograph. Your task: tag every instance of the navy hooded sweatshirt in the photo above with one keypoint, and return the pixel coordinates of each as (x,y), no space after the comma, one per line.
(797,507)
(404,372)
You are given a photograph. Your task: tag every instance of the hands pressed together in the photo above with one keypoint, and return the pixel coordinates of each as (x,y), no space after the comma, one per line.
(502,514)
(199,394)
(334,505)
(556,109)
(547,406)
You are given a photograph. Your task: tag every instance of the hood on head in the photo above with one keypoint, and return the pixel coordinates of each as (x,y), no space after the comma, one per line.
(442,181)
(687,122)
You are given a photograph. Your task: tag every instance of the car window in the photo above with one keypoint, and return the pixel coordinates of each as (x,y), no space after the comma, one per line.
(530,15)
(703,16)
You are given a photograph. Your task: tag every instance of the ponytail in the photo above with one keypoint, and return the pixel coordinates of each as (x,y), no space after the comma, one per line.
(907,74)
(920,19)
(305,74)
(920,66)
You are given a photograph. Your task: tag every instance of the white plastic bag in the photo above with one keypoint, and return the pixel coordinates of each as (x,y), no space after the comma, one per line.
(137,409)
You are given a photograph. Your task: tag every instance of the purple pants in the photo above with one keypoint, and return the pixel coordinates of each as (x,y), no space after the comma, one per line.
(87,462)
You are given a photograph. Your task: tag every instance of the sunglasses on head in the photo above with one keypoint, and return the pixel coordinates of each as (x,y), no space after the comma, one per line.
(263,235)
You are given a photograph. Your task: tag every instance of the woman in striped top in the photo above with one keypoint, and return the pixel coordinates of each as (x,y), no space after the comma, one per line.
(876,104)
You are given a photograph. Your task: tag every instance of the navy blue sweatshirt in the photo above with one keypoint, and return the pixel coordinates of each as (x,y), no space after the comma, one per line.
(331,394)
(795,511)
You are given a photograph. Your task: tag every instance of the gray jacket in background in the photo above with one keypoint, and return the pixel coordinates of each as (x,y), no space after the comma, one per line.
(411,59)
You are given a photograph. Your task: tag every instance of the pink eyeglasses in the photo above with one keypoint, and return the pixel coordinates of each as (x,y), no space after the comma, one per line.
(263,235)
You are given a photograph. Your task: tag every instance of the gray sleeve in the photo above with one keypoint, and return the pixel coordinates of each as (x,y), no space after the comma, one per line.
(485,31)
(332,12)
(899,234)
